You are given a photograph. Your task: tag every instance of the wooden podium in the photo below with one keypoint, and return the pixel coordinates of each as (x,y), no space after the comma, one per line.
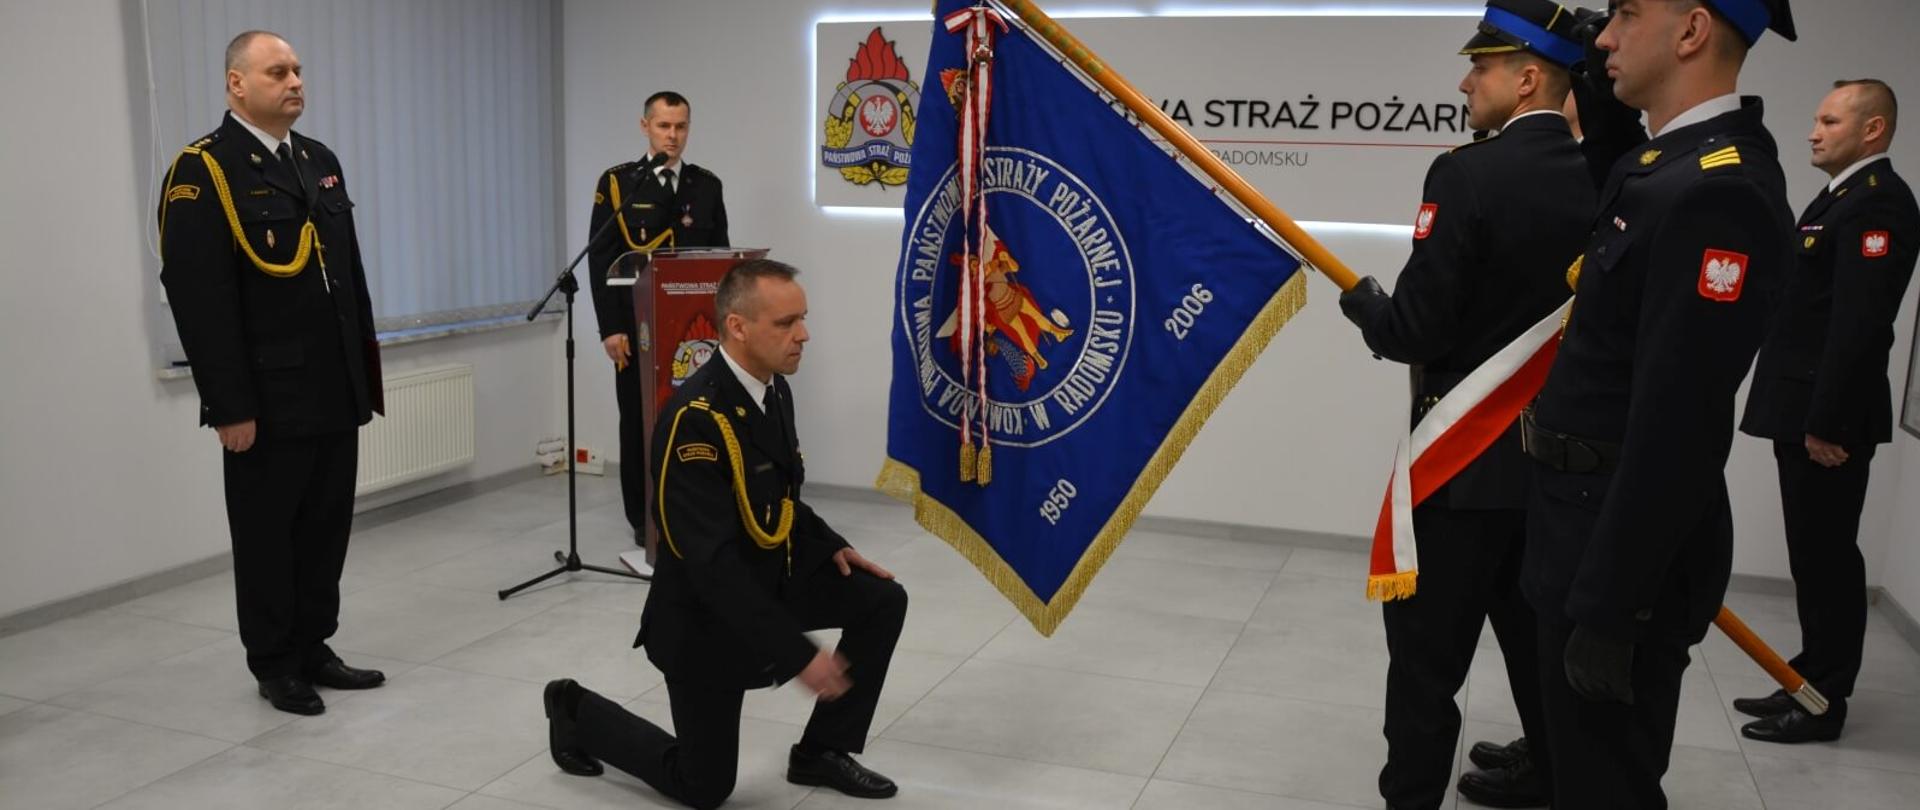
(674,328)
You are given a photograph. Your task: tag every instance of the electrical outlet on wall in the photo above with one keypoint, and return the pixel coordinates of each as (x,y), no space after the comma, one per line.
(587,461)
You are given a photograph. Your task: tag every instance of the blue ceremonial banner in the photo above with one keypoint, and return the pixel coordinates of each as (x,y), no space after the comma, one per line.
(1098,293)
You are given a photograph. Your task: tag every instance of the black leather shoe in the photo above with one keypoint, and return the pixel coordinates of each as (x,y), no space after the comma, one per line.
(837,770)
(1773,705)
(292,695)
(335,674)
(1489,755)
(1797,726)
(561,699)
(1517,785)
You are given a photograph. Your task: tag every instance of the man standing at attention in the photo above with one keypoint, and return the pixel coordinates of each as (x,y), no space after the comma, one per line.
(1502,218)
(1821,393)
(660,201)
(1630,533)
(262,270)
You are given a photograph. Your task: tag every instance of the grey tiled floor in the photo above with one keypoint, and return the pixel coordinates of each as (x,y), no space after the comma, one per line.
(1197,673)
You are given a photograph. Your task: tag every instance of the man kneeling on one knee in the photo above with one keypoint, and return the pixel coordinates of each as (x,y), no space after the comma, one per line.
(746,569)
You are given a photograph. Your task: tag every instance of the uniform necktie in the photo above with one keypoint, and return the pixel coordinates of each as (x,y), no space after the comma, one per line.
(285,153)
(666,178)
(771,403)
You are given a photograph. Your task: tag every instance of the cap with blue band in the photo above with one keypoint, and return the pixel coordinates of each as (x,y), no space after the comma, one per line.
(1752,18)
(1543,27)
(1564,52)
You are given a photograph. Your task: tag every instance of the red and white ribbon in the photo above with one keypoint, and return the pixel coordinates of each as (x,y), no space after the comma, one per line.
(1461,426)
(980,24)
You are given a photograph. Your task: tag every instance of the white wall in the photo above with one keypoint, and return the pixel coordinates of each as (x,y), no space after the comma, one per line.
(104,478)
(1900,571)
(103,475)
(1303,443)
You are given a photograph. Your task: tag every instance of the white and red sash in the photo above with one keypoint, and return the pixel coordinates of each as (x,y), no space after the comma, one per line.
(1455,432)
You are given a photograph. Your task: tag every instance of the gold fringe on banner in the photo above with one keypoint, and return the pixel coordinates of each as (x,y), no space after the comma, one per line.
(903,482)
(1389,587)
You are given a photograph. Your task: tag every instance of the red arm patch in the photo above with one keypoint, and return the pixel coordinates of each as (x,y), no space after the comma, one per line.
(1875,244)
(1423,222)
(1722,274)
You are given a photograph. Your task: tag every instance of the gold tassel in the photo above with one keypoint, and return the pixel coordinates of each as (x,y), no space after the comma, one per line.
(985,474)
(967,461)
(1390,587)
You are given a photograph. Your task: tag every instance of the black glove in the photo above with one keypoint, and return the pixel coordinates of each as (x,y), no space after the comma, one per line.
(1612,128)
(1599,668)
(1359,303)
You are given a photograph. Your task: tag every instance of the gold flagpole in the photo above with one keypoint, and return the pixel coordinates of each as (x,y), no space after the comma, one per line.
(1076,52)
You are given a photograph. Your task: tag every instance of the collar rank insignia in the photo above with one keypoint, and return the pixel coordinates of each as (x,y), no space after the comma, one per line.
(1873,180)
(255,158)
(740,411)
(1648,157)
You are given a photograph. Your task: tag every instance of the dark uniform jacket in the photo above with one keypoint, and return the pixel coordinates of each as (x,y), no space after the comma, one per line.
(1823,370)
(1502,219)
(650,217)
(277,326)
(716,611)
(1685,261)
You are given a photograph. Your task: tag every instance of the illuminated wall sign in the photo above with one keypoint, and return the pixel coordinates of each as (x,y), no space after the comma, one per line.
(1334,118)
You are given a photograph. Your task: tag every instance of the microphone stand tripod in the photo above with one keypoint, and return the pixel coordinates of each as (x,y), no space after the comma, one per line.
(569,561)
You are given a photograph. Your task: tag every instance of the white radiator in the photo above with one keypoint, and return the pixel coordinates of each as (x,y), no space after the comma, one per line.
(427,430)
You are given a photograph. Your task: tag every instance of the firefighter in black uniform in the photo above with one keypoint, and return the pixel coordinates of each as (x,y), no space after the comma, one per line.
(1501,219)
(1821,393)
(1630,535)
(660,202)
(263,275)
(745,569)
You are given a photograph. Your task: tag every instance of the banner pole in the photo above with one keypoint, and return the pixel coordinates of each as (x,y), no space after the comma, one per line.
(1782,673)
(1316,254)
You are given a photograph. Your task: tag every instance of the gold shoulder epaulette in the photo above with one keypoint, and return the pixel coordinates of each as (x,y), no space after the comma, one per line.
(1729,156)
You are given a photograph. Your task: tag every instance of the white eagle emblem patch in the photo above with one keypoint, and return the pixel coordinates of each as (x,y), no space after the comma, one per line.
(1423,222)
(1874,244)
(1722,274)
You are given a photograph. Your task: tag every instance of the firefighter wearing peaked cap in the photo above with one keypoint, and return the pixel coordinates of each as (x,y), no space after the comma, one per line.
(1630,537)
(1499,222)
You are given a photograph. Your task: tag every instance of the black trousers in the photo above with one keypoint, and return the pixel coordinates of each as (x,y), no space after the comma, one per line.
(698,767)
(1822,509)
(633,442)
(1469,573)
(1610,756)
(289,509)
